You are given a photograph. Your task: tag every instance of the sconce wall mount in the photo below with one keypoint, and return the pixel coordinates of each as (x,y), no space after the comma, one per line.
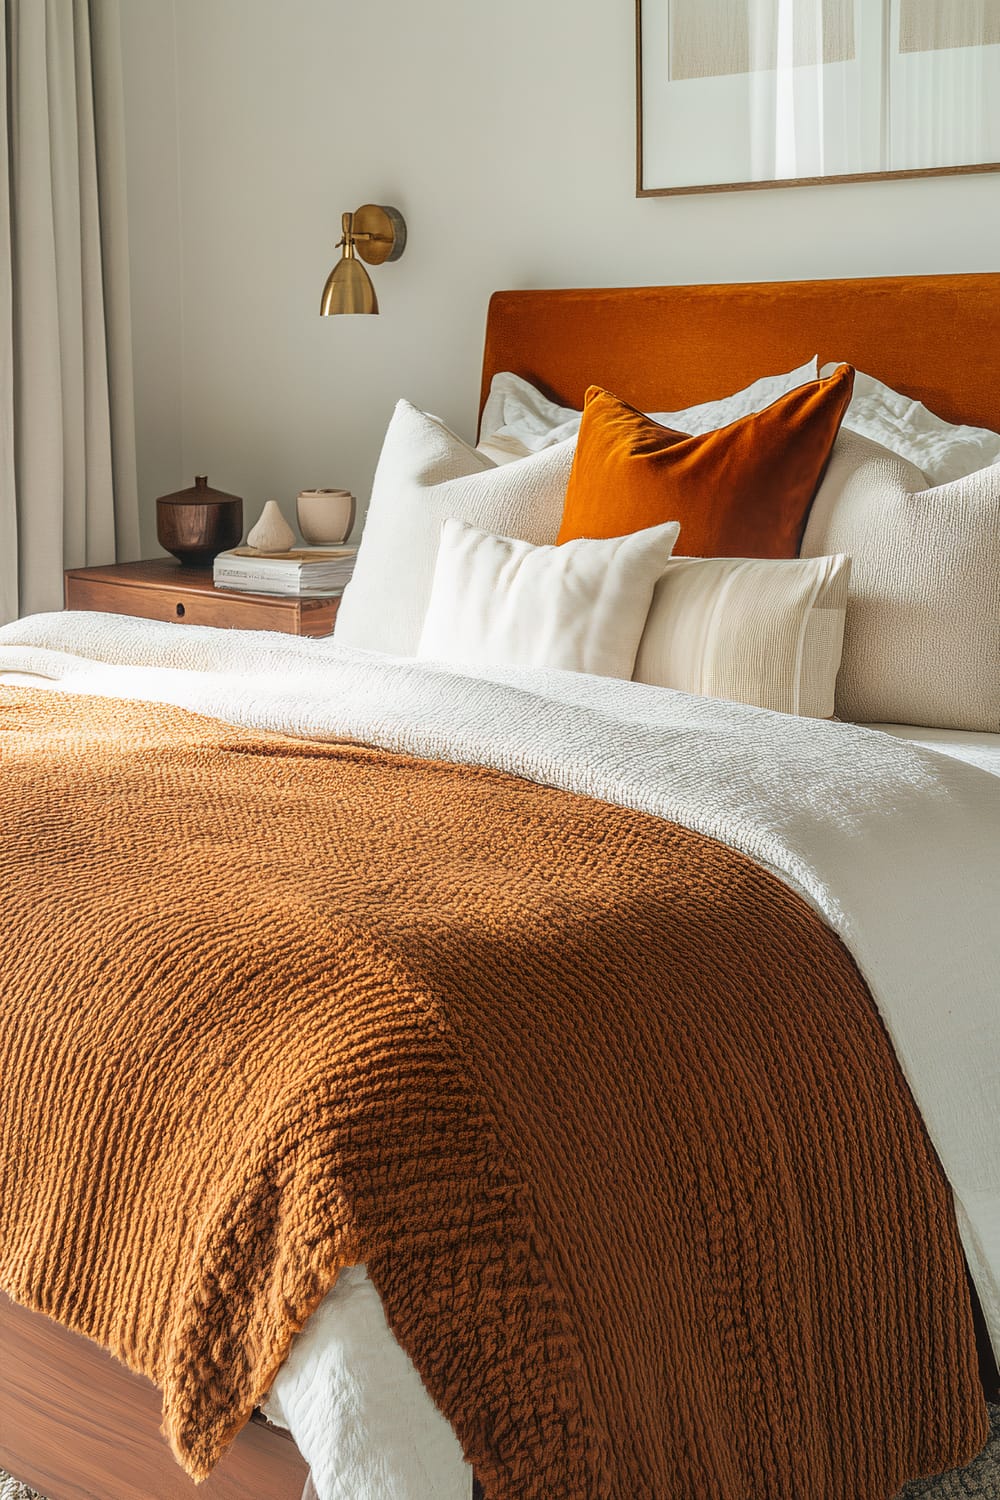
(376,233)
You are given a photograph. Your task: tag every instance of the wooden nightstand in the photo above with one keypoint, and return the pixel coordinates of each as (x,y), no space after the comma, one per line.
(162,589)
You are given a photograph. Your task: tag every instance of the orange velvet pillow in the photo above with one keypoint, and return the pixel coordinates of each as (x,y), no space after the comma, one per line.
(742,491)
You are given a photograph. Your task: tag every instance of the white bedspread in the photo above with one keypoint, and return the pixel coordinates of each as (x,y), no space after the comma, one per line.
(897,847)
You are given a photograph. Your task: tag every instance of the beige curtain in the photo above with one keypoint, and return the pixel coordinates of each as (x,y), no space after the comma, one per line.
(67,431)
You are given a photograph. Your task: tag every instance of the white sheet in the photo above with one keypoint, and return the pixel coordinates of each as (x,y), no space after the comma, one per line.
(895,845)
(975,747)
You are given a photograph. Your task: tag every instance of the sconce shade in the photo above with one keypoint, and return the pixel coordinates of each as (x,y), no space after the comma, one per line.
(348,289)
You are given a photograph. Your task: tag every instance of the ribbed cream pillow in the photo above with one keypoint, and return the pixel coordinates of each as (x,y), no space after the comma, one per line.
(755,630)
(426,474)
(922,639)
(500,602)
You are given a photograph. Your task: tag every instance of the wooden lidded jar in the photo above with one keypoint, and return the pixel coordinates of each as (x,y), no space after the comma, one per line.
(197,524)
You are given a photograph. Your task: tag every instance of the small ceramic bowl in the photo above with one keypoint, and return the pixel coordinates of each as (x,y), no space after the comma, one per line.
(325,516)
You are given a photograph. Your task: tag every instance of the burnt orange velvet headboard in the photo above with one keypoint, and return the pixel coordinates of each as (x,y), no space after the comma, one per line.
(935,337)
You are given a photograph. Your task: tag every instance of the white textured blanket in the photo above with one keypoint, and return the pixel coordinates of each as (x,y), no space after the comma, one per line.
(896,847)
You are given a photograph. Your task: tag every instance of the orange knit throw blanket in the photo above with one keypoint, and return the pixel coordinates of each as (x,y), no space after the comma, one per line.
(606,1110)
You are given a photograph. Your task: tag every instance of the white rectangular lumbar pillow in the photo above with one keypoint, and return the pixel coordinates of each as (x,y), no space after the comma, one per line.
(517,419)
(755,630)
(498,601)
(426,474)
(922,636)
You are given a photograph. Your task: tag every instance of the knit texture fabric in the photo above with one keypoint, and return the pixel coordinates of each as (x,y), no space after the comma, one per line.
(604,1107)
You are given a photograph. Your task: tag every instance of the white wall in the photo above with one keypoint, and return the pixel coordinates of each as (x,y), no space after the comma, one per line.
(505,133)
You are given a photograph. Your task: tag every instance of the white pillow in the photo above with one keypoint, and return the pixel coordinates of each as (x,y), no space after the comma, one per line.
(497,601)
(426,474)
(939,449)
(755,630)
(517,419)
(922,638)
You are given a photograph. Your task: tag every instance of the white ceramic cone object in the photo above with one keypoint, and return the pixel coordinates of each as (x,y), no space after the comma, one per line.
(272,532)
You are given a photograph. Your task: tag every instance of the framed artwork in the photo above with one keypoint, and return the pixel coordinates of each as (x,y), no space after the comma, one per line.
(772,93)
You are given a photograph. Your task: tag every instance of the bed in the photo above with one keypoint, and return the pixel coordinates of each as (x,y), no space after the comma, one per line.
(654,347)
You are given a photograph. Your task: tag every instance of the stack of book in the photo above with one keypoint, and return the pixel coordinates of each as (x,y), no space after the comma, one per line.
(302,570)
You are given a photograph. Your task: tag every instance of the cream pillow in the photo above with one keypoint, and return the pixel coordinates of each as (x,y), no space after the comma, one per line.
(755,630)
(517,419)
(497,601)
(426,474)
(922,637)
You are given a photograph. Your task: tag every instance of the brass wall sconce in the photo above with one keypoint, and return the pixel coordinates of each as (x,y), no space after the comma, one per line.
(377,234)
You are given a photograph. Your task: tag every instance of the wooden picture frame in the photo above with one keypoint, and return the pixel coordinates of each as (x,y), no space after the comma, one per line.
(947,61)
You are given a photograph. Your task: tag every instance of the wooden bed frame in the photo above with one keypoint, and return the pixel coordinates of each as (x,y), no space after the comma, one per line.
(76,1424)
